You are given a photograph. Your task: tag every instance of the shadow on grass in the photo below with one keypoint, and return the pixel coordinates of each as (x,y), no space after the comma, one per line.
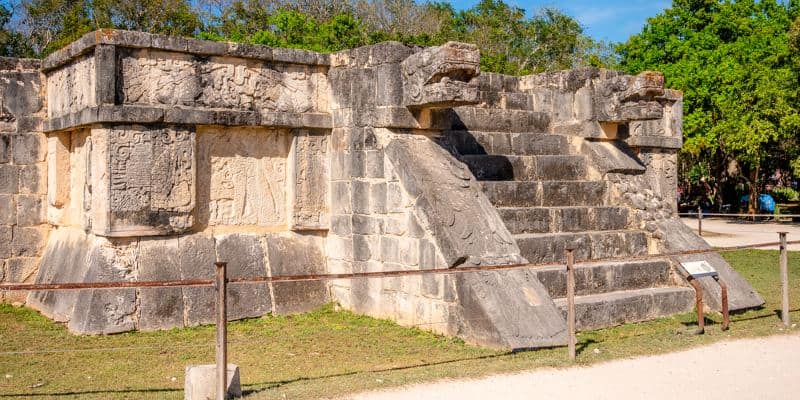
(583,346)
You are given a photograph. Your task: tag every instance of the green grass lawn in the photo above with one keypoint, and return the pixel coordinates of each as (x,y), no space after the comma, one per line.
(330,353)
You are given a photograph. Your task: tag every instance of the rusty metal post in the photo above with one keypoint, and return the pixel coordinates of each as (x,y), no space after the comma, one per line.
(700,220)
(698,303)
(726,317)
(784,280)
(570,254)
(222,331)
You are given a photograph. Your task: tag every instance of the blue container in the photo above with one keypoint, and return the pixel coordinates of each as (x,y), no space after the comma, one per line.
(766,203)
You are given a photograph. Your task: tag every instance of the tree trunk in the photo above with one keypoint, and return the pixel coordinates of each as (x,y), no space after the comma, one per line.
(752,204)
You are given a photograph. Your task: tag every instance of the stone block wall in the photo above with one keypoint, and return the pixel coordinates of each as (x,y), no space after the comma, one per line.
(23,172)
(151,157)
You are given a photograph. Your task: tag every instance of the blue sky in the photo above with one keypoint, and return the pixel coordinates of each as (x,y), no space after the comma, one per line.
(613,20)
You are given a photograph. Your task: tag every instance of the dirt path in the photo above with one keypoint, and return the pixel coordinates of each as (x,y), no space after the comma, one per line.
(722,232)
(764,368)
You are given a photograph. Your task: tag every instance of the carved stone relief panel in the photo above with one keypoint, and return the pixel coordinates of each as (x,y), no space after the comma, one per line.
(146,184)
(242,176)
(71,87)
(308,174)
(162,78)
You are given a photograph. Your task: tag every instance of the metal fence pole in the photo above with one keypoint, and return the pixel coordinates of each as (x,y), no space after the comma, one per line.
(570,254)
(784,280)
(222,331)
(700,220)
(698,304)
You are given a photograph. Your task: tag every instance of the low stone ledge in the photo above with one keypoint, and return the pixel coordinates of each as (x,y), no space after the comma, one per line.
(142,40)
(655,142)
(186,116)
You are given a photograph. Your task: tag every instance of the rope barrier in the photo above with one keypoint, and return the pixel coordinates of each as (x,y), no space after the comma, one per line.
(366,275)
(705,214)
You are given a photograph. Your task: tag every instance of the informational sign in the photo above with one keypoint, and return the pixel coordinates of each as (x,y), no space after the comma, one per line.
(699,269)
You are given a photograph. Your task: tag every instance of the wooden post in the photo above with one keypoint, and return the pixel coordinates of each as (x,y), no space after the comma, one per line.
(784,280)
(700,220)
(570,254)
(222,332)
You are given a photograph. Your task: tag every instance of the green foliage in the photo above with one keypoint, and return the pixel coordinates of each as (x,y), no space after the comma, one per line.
(509,41)
(55,23)
(12,42)
(296,30)
(783,194)
(736,63)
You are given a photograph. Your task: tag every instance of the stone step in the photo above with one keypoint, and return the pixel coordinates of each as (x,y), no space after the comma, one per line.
(563,219)
(604,277)
(545,193)
(616,308)
(526,168)
(504,143)
(549,247)
(495,119)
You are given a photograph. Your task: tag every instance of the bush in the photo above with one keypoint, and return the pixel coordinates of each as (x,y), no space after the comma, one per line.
(783,194)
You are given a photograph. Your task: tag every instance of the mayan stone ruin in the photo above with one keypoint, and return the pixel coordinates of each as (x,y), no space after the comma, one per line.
(138,157)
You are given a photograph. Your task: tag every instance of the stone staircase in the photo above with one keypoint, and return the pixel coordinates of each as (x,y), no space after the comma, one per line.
(543,193)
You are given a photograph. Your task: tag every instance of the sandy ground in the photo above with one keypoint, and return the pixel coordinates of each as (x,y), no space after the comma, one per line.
(765,368)
(731,232)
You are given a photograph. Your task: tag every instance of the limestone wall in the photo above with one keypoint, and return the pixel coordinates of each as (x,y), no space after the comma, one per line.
(23,172)
(168,154)
(150,157)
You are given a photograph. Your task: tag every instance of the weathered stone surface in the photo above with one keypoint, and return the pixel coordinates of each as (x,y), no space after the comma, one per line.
(6,235)
(9,179)
(149,183)
(159,308)
(5,149)
(246,258)
(526,168)
(200,382)
(242,176)
(197,257)
(441,76)
(308,181)
(104,311)
(33,179)
(58,168)
(597,278)
(64,260)
(464,224)
(223,83)
(509,309)
(71,87)
(28,241)
(617,308)
(30,210)
(8,210)
(546,248)
(297,255)
(612,156)
(29,148)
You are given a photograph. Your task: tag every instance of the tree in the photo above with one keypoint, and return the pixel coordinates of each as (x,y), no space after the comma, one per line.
(12,42)
(55,23)
(732,60)
(167,17)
